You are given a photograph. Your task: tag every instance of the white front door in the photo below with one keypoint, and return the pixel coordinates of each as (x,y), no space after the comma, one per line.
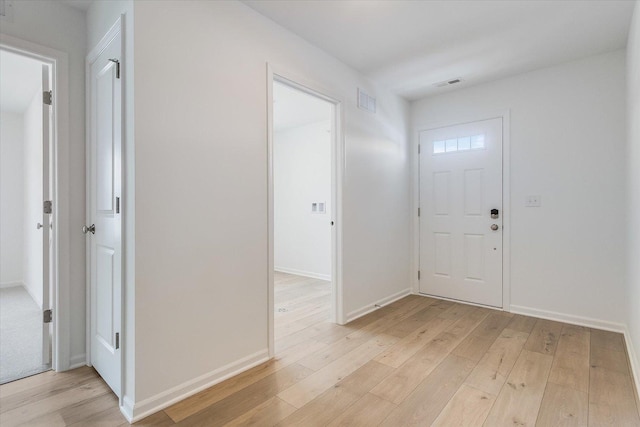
(105,231)
(47,213)
(460,239)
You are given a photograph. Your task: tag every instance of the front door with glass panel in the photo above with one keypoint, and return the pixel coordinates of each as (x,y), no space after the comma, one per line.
(461,212)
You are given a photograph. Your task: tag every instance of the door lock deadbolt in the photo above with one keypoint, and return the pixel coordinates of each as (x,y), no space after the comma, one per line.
(495,213)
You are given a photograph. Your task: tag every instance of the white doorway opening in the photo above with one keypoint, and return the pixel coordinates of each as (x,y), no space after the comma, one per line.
(27,217)
(305,154)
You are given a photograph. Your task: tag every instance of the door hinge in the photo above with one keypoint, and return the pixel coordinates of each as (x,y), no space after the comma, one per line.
(117,340)
(418,274)
(418,148)
(418,211)
(47,97)
(117,204)
(117,62)
(47,316)
(47,207)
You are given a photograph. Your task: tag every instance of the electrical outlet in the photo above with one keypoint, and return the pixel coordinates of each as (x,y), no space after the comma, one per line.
(533,201)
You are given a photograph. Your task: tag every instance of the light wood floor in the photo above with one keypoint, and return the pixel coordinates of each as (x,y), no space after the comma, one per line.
(418,361)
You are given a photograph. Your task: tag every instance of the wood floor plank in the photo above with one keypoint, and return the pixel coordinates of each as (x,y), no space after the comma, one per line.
(493,369)
(522,323)
(609,340)
(544,337)
(528,371)
(412,323)
(519,400)
(611,399)
(330,404)
(469,407)
(306,390)
(406,347)
(54,403)
(339,348)
(268,413)
(366,412)
(571,362)
(482,337)
(424,404)
(244,400)
(406,378)
(563,406)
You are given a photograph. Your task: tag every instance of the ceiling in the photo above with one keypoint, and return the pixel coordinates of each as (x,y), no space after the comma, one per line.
(20,79)
(408,46)
(292,108)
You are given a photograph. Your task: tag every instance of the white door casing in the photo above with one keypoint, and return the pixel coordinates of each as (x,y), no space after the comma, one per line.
(105,191)
(460,182)
(47,218)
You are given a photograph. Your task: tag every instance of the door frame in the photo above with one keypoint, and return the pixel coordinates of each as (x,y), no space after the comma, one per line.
(506,197)
(117,28)
(275,74)
(60,259)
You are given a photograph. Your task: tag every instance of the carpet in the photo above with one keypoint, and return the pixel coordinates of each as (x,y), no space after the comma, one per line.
(20,335)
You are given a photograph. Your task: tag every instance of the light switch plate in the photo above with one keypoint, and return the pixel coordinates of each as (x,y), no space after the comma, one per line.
(533,201)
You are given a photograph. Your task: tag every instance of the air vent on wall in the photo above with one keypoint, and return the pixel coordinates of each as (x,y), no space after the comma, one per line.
(366,102)
(447,83)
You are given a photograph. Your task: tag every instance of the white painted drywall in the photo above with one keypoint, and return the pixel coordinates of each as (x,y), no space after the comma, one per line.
(201,187)
(567,145)
(302,176)
(61,27)
(32,198)
(633,188)
(11,190)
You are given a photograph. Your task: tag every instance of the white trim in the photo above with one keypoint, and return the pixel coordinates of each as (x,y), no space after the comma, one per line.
(137,411)
(60,262)
(589,322)
(78,361)
(11,285)
(337,174)
(633,360)
(355,314)
(505,115)
(310,274)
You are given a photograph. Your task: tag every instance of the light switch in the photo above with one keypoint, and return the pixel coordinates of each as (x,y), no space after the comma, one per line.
(533,201)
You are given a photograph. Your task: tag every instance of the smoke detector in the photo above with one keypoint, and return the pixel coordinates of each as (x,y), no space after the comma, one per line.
(448,82)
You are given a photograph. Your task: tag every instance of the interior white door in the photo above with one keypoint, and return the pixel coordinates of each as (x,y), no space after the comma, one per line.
(460,184)
(105,231)
(47,213)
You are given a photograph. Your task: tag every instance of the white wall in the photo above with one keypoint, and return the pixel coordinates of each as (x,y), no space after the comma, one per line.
(567,145)
(32,198)
(302,176)
(11,190)
(201,190)
(633,190)
(61,27)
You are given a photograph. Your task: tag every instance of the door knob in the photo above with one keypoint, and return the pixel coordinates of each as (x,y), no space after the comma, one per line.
(39,226)
(91,228)
(494,227)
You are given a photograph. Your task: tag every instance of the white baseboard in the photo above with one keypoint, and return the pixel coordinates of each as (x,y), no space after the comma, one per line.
(590,323)
(78,361)
(376,305)
(11,284)
(569,318)
(303,273)
(633,359)
(135,411)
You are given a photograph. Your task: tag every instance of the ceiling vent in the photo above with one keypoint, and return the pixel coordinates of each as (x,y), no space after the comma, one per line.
(447,82)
